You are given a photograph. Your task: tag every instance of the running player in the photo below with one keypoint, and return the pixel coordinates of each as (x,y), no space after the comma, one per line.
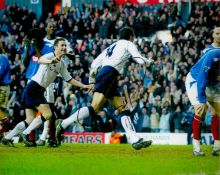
(51,65)
(111,62)
(49,126)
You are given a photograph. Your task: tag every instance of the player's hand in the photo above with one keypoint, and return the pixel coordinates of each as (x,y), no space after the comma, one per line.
(61,55)
(55,60)
(71,53)
(150,61)
(90,86)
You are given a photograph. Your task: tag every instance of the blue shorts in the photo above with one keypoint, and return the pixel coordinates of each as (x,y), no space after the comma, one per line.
(33,95)
(106,82)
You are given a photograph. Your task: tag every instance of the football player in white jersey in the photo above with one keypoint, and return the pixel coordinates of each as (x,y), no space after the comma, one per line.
(111,63)
(49,94)
(51,65)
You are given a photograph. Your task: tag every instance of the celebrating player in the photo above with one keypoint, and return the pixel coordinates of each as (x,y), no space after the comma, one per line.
(50,95)
(51,65)
(111,62)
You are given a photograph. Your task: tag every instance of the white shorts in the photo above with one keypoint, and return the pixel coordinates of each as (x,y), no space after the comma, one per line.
(212,93)
(191,89)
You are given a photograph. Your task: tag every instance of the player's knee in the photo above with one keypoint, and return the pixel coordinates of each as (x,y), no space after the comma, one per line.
(29,119)
(47,115)
(201,114)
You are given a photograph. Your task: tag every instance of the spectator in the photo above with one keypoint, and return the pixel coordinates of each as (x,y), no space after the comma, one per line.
(164,124)
(154,120)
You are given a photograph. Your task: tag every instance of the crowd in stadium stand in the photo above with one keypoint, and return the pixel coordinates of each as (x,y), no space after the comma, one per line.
(158,99)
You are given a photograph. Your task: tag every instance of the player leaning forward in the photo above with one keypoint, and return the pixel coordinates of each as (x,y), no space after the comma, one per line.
(203,87)
(111,63)
(51,65)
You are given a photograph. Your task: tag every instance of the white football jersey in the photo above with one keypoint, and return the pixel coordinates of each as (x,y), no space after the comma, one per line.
(49,94)
(117,55)
(47,73)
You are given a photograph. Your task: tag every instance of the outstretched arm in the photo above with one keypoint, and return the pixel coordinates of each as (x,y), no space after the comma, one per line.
(136,56)
(50,59)
(79,84)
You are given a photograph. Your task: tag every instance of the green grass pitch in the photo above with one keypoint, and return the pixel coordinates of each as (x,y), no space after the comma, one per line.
(98,159)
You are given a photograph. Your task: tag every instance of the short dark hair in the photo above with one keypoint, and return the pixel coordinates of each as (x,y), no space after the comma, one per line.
(58,40)
(126,32)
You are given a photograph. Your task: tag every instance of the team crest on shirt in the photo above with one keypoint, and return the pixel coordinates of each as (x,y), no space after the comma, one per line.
(34,58)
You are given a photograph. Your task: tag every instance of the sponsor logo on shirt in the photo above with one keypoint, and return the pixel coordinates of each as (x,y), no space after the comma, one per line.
(34,58)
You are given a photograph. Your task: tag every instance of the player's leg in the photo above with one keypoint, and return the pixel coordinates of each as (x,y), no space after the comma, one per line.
(84,112)
(49,126)
(30,114)
(191,89)
(5,124)
(52,131)
(215,127)
(45,111)
(127,124)
(213,98)
(42,139)
(81,114)
(52,128)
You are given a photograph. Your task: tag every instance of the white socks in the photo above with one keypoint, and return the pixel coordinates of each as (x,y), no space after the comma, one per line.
(196,145)
(129,129)
(216,145)
(34,124)
(45,130)
(79,115)
(18,129)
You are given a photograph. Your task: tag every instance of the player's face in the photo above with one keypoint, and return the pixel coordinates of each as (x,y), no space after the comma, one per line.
(51,28)
(61,47)
(216,35)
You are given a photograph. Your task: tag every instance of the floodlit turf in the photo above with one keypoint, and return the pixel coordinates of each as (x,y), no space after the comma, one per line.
(96,159)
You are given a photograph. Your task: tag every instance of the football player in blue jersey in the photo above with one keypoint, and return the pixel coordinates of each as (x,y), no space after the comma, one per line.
(216,40)
(203,88)
(5,80)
